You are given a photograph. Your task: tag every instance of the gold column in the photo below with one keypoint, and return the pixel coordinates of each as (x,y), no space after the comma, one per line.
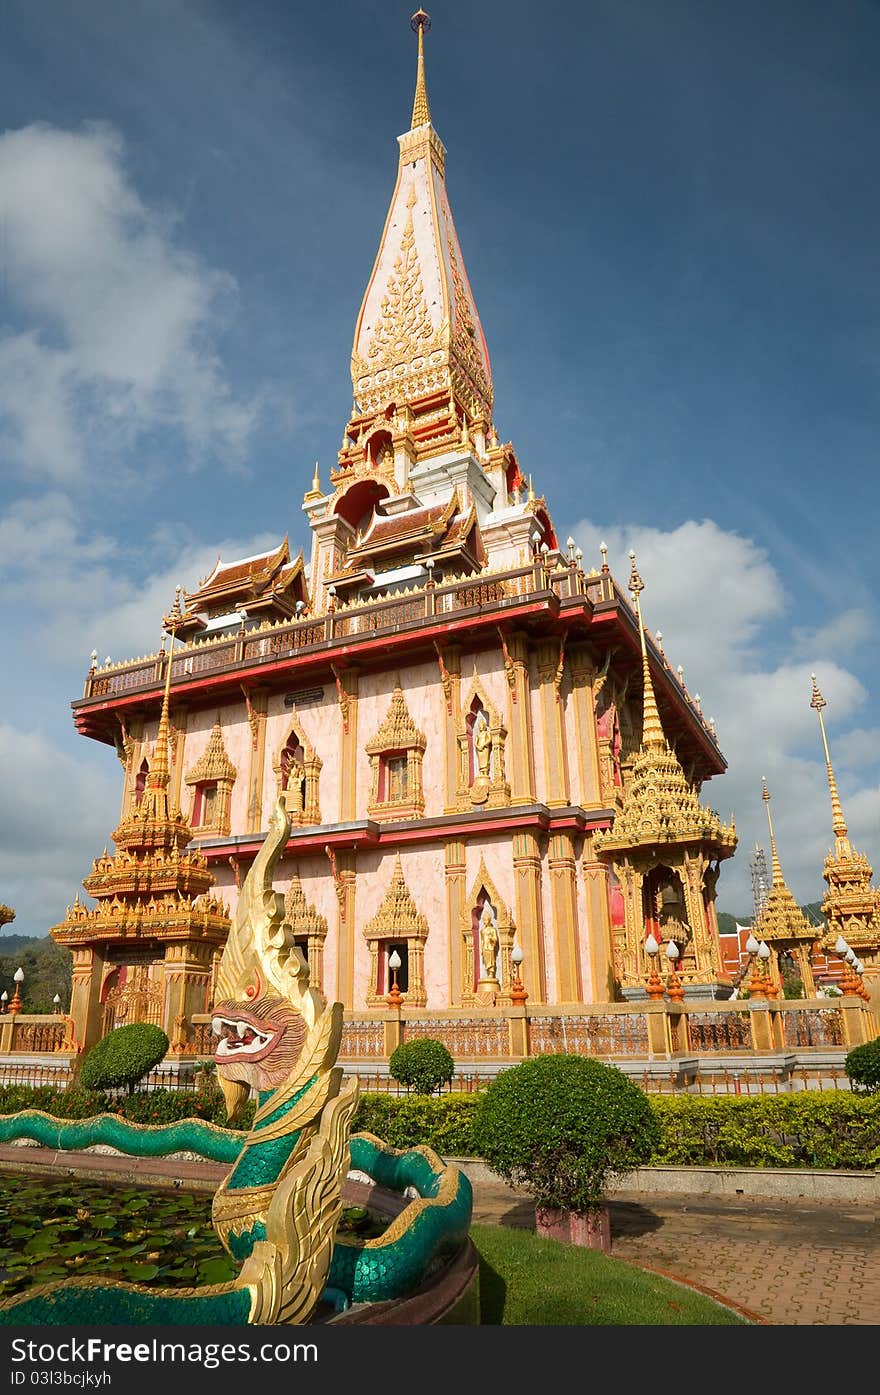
(257,700)
(178,724)
(598,927)
(345,878)
(136,753)
(519,724)
(529,913)
(85,996)
(346,680)
(550,659)
(582,670)
(563,892)
(449,660)
(187,975)
(456,892)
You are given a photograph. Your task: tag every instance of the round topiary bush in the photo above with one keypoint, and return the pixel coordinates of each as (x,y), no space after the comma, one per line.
(562,1127)
(123,1056)
(423,1064)
(862,1065)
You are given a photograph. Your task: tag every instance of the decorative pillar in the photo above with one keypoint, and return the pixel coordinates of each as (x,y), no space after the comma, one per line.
(257,703)
(187,975)
(598,927)
(449,661)
(178,745)
(550,655)
(529,913)
(583,670)
(346,680)
(85,996)
(563,892)
(522,759)
(134,749)
(456,896)
(344,878)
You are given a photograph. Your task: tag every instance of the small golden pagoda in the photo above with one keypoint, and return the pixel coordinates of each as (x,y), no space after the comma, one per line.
(783,925)
(149,945)
(852,905)
(665,848)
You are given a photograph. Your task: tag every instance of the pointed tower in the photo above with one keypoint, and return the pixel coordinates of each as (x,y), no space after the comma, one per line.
(783,924)
(420,473)
(144,953)
(852,905)
(665,848)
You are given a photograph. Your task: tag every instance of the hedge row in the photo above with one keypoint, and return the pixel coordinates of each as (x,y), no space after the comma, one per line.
(826,1129)
(146,1107)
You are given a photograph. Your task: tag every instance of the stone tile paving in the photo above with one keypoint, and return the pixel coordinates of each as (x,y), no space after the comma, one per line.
(793,1262)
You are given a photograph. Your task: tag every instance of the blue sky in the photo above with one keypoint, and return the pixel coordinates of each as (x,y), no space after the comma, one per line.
(669,216)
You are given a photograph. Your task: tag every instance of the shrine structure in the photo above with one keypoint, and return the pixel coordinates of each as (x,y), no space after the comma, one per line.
(472,730)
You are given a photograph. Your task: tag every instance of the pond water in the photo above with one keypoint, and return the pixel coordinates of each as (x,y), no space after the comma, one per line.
(52,1230)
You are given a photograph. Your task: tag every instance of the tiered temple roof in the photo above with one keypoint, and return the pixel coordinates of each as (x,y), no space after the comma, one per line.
(266,587)
(851,905)
(660,806)
(781,920)
(154,886)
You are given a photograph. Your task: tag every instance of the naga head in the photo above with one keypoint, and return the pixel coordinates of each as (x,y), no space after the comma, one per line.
(264,1009)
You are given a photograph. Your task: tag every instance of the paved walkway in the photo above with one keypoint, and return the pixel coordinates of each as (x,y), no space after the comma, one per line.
(791,1262)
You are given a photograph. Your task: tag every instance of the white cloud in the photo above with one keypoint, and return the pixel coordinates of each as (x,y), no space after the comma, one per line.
(843,635)
(82,590)
(120,320)
(714,594)
(45,851)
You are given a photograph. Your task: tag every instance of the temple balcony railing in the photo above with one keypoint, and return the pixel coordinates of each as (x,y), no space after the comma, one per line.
(557,584)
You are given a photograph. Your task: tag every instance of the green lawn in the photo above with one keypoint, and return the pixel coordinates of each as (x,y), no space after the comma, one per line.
(529,1282)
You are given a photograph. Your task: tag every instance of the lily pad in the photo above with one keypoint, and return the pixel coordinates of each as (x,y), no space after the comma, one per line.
(140,1273)
(216,1271)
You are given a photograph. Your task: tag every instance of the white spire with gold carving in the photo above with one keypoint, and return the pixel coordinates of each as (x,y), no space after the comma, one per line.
(418,329)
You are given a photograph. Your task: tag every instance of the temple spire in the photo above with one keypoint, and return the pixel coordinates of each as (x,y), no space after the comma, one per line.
(777,877)
(421,112)
(838,821)
(652,727)
(160,766)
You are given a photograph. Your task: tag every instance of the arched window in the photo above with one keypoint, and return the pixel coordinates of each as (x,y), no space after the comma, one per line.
(205,804)
(297,770)
(293,774)
(479,742)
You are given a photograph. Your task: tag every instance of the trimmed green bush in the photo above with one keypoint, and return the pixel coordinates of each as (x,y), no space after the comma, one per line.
(808,1128)
(423,1064)
(862,1065)
(123,1057)
(562,1127)
(444,1123)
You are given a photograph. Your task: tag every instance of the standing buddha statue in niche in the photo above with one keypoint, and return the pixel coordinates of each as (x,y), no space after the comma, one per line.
(488,942)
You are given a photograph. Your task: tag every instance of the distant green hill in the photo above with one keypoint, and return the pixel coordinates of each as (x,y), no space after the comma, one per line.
(10,943)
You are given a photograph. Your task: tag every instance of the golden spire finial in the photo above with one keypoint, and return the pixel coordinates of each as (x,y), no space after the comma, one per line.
(421,112)
(530,498)
(652,727)
(316,482)
(838,822)
(777,879)
(160,769)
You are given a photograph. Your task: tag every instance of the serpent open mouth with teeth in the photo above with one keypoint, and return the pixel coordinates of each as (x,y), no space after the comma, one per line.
(240,1037)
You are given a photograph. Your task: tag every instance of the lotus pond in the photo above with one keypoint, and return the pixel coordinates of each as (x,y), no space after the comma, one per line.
(55,1230)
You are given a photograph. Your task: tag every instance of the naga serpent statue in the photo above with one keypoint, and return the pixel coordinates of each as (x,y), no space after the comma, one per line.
(277,1210)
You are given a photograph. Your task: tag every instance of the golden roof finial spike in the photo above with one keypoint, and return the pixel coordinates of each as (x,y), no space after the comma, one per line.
(838,822)
(160,769)
(421,112)
(777,879)
(652,727)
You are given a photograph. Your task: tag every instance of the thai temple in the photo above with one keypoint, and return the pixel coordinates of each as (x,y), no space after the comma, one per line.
(494,775)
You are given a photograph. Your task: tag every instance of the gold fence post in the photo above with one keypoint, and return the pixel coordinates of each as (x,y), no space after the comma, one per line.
(393,1031)
(761,1027)
(659,1037)
(855,1021)
(518,1031)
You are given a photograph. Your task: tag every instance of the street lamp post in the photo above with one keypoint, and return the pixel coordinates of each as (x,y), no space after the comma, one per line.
(394,997)
(18,979)
(655,982)
(518,994)
(674,985)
